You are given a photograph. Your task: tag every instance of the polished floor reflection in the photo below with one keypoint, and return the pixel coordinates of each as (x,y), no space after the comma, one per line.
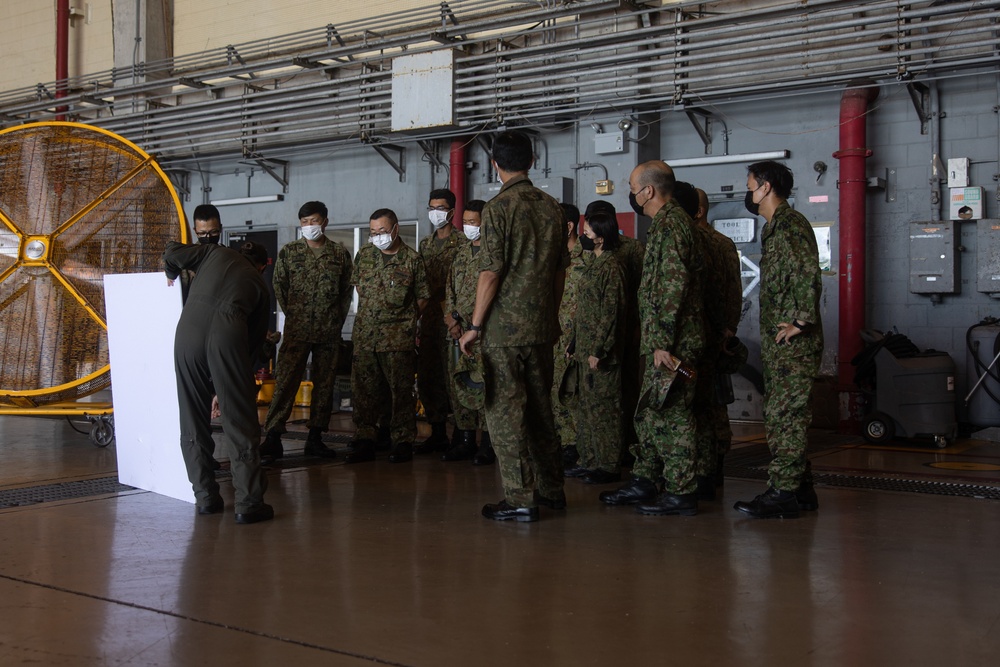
(392,565)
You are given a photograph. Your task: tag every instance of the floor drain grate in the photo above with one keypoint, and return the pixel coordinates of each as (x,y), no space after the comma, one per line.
(32,495)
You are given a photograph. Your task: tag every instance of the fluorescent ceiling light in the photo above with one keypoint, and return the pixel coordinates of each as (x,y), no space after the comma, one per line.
(729,159)
(248,200)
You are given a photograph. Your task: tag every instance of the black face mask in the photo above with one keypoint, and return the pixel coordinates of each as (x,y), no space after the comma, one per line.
(586,242)
(635,204)
(748,202)
(209,240)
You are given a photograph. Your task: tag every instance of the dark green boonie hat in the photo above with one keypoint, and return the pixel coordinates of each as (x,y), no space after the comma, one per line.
(655,396)
(470,388)
(569,383)
(734,355)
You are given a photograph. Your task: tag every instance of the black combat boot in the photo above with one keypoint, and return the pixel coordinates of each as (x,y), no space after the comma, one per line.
(485,456)
(401,453)
(772,504)
(436,442)
(361,451)
(805,494)
(315,446)
(668,504)
(636,490)
(271,448)
(464,447)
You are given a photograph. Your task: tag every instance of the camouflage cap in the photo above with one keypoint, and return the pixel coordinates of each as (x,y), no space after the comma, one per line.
(569,383)
(655,396)
(734,355)
(470,388)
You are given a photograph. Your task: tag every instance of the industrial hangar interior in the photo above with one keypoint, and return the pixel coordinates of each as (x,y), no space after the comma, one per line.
(887,114)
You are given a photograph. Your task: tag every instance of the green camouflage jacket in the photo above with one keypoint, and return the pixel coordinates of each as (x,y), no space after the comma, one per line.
(600,311)
(314,291)
(437,263)
(722,282)
(389,288)
(670,301)
(524,242)
(790,279)
(461,288)
(578,260)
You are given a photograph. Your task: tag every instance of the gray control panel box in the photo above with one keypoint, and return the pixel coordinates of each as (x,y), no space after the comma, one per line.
(934,257)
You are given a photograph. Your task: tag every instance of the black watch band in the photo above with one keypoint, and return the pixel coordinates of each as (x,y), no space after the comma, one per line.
(475,327)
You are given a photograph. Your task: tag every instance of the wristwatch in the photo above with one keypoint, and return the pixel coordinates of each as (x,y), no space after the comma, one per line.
(475,327)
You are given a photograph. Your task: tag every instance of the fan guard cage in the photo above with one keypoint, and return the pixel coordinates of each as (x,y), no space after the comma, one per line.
(76,202)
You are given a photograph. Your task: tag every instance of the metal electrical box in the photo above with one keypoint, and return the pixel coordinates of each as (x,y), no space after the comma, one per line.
(988,257)
(423,90)
(934,257)
(560,188)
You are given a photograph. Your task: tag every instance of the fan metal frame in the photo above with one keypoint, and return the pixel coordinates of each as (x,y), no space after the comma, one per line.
(24,400)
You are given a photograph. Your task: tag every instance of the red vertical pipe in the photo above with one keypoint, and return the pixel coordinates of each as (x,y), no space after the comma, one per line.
(853,185)
(62,52)
(457,177)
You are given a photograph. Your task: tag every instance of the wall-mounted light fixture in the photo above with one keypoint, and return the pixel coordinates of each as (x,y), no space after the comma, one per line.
(248,200)
(729,159)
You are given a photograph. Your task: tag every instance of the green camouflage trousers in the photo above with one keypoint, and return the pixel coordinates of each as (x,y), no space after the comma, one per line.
(380,380)
(465,419)
(432,367)
(288,374)
(599,419)
(788,381)
(519,414)
(564,414)
(667,435)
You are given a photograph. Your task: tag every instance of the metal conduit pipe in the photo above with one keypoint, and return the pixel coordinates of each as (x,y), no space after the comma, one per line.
(853,184)
(456,176)
(62,53)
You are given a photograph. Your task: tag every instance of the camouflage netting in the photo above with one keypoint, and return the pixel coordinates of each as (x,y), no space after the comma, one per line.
(98,205)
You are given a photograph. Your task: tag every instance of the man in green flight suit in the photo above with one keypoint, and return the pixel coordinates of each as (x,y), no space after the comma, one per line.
(791,337)
(438,252)
(392,291)
(312,282)
(219,333)
(523,265)
(673,332)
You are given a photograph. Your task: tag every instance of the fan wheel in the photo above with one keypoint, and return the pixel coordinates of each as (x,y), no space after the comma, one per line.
(76,202)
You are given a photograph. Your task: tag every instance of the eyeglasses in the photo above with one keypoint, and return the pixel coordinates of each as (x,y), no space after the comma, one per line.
(443,209)
(205,235)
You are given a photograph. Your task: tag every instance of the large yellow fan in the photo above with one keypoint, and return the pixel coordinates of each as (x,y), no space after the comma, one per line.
(76,202)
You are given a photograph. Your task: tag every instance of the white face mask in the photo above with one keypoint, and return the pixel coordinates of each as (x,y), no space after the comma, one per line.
(438,218)
(471,231)
(312,232)
(382,241)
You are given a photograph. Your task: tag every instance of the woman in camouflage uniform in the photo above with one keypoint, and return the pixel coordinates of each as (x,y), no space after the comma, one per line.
(599,330)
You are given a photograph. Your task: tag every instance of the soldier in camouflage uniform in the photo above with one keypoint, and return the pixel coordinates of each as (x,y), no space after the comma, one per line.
(312,282)
(438,251)
(630,253)
(563,409)
(718,252)
(392,290)
(725,267)
(599,346)
(461,301)
(791,334)
(673,331)
(523,265)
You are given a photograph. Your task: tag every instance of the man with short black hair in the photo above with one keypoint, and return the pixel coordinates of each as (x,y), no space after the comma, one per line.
(219,333)
(207,224)
(392,292)
(312,282)
(522,265)
(791,336)
(438,252)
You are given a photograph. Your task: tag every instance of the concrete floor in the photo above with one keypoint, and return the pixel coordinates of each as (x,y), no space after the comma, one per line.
(392,565)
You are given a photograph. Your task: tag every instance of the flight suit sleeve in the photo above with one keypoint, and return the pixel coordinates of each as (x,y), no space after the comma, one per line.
(179,256)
